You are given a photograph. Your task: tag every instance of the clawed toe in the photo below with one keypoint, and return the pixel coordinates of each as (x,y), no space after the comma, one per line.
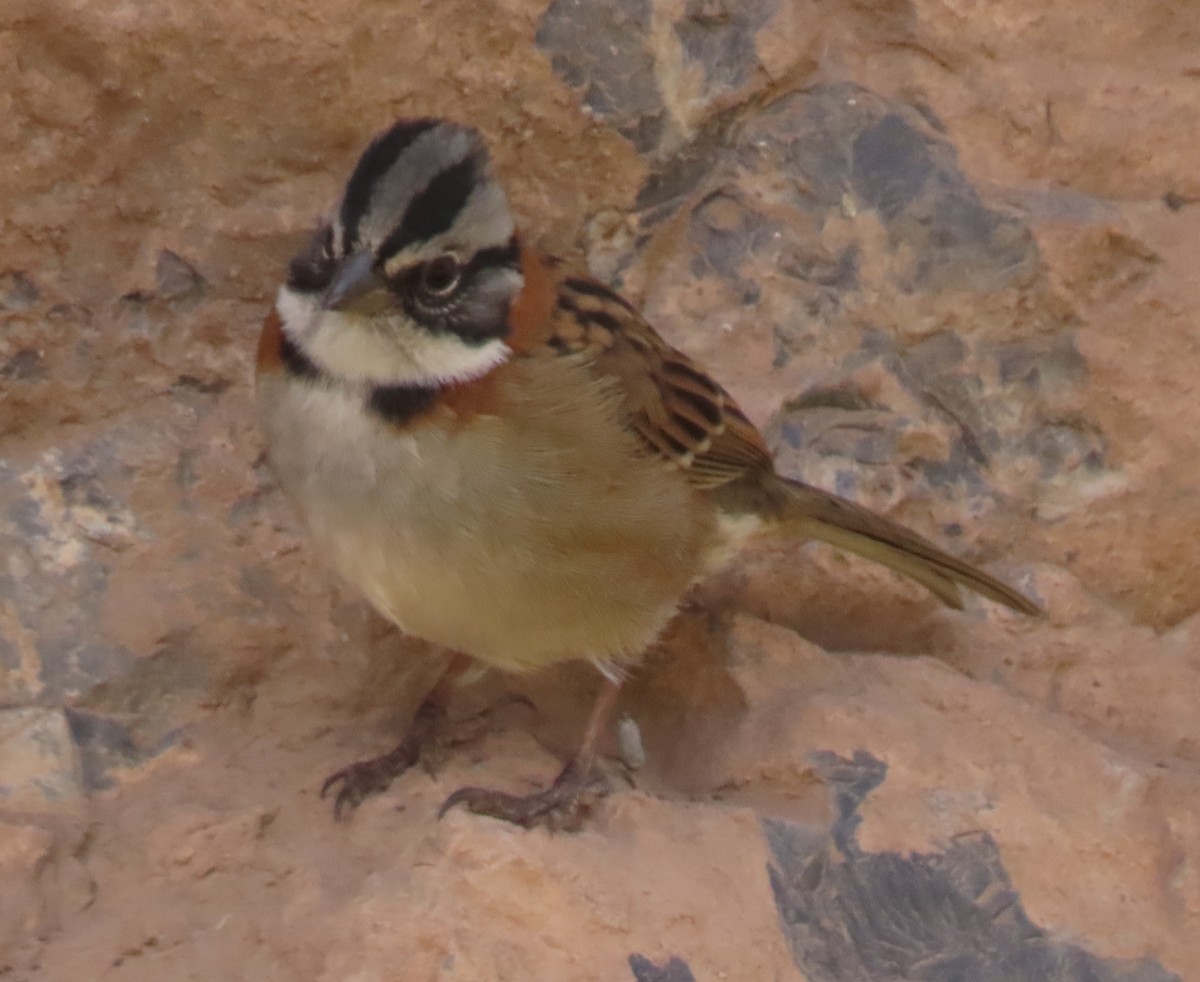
(363,778)
(428,737)
(562,807)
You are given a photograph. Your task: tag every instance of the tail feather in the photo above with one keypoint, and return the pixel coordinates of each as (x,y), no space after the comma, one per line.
(851,527)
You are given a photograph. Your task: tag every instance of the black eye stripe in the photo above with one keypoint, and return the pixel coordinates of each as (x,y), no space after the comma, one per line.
(375,162)
(505,255)
(434,210)
(492,257)
(472,310)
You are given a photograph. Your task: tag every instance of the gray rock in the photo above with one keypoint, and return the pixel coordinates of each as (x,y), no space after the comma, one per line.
(39,765)
(675,970)
(175,278)
(18,292)
(718,35)
(952,916)
(602,49)
(26,365)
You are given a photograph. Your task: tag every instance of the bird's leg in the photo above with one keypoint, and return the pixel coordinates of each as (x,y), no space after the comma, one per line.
(363,778)
(566,804)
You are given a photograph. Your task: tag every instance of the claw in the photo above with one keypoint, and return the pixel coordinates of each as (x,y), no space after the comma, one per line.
(364,778)
(562,807)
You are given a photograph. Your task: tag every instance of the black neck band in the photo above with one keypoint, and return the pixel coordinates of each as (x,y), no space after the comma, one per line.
(295,361)
(400,403)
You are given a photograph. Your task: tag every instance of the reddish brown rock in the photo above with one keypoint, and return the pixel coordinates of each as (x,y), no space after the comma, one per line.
(943,253)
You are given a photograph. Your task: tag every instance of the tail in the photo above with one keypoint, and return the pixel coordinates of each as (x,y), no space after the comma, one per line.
(848,526)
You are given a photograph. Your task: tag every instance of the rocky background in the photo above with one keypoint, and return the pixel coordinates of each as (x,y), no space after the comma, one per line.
(944,252)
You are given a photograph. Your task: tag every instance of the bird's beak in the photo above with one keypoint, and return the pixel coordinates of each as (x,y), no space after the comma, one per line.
(356,285)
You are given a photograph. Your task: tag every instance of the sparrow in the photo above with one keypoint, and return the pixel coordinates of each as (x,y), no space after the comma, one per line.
(506,459)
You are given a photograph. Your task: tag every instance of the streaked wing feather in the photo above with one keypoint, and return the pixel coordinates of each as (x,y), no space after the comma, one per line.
(677,409)
(686,418)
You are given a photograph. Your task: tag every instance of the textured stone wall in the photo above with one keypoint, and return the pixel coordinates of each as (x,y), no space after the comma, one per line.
(943,252)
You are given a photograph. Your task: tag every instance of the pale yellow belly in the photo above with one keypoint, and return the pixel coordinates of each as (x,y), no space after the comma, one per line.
(520,546)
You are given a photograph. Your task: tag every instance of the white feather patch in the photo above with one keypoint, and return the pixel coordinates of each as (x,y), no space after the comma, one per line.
(349,347)
(733,533)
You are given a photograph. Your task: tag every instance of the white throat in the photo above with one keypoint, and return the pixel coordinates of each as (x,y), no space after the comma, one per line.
(342,345)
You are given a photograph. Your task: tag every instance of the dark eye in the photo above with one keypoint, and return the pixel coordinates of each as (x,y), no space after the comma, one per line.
(439,277)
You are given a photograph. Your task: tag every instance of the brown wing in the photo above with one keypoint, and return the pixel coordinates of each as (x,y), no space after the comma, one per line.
(688,419)
(672,404)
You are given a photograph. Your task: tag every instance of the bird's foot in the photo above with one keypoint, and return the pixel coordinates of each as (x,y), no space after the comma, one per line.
(430,735)
(562,807)
(358,781)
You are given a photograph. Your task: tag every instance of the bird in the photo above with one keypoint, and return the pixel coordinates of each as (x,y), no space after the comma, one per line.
(506,459)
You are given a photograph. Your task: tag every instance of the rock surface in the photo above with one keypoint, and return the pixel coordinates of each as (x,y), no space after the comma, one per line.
(944,253)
